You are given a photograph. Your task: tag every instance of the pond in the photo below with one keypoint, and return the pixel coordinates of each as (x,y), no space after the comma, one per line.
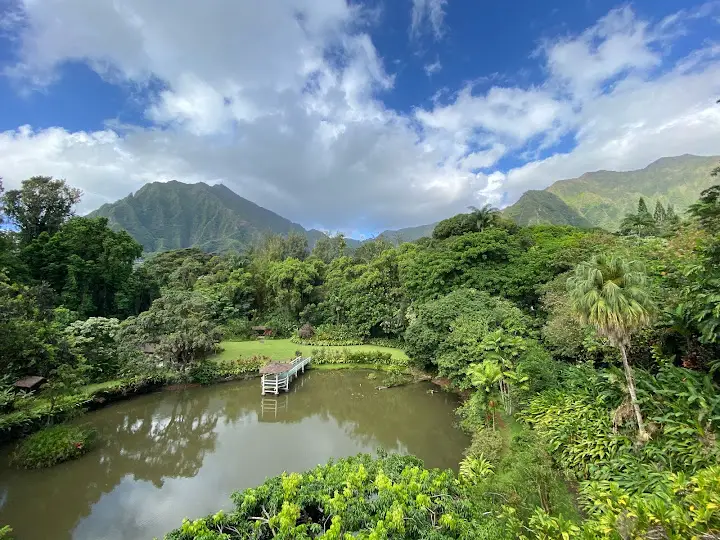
(176,454)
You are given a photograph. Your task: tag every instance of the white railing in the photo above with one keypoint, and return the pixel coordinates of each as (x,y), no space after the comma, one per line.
(273,383)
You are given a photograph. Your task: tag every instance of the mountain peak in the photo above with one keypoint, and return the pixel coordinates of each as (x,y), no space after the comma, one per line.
(173,215)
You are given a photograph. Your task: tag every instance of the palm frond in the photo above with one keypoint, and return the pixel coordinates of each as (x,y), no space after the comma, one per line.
(610,294)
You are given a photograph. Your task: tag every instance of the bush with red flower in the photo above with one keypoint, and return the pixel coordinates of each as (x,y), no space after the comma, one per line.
(53,445)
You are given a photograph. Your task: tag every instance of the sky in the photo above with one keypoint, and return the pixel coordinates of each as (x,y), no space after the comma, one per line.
(353,116)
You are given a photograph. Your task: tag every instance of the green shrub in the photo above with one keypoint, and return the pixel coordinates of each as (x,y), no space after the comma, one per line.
(678,508)
(237,329)
(386,342)
(317,343)
(357,497)
(5,532)
(486,443)
(577,428)
(526,480)
(396,376)
(473,413)
(208,372)
(542,372)
(7,398)
(282,325)
(52,446)
(348,356)
(204,372)
(327,335)
(306,331)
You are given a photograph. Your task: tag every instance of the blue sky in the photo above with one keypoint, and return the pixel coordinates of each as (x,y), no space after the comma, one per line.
(353,116)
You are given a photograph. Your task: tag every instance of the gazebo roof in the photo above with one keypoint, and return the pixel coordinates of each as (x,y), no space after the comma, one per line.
(29,383)
(274,368)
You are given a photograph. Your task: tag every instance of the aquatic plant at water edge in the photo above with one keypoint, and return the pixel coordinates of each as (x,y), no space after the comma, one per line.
(52,446)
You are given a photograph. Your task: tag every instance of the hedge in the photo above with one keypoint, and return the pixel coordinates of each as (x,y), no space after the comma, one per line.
(349,356)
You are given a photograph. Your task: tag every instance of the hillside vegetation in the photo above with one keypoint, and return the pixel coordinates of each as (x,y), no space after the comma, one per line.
(604,197)
(174,215)
(544,208)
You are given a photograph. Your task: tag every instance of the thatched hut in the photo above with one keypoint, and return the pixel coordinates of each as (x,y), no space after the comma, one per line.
(30,384)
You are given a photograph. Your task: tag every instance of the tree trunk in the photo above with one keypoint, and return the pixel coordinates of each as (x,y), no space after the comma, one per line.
(642,434)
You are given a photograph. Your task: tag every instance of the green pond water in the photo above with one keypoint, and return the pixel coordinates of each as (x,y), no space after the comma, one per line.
(175,454)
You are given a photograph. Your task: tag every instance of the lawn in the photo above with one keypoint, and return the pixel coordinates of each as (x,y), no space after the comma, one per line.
(284,349)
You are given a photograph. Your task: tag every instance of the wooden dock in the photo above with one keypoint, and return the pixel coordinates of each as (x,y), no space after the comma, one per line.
(277,376)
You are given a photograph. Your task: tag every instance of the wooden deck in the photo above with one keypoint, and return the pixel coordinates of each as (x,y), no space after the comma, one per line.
(272,383)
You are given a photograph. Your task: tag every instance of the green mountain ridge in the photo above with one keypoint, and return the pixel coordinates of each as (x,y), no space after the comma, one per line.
(408,234)
(605,197)
(543,207)
(172,215)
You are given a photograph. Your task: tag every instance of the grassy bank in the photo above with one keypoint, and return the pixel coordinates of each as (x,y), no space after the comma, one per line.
(284,349)
(35,414)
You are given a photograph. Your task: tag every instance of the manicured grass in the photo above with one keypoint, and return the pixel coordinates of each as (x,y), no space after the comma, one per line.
(284,349)
(91,389)
(334,367)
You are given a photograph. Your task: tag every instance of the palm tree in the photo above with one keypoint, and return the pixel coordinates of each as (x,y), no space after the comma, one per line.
(485,216)
(610,294)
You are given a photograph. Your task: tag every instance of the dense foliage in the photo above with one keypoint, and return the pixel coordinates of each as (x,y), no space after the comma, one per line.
(544,207)
(360,497)
(53,445)
(583,356)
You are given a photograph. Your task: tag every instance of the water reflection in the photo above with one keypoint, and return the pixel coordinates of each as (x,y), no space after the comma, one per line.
(172,454)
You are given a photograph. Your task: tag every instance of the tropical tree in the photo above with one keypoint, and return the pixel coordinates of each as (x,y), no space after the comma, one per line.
(484,217)
(610,294)
(291,283)
(485,376)
(707,210)
(180,323)
(329,248)
(95,340)
(40,205)
(86,263)
(640,224)
(659,214)
(701,294)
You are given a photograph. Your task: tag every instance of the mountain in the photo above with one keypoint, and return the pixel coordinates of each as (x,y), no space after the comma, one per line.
(171,215)
(408,234)
(604,197)
(542,207)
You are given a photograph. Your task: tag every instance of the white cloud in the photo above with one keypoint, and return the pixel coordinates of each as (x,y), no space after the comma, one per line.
(618,43)
(280,102)
(430,13)
(430,69)
(635,124)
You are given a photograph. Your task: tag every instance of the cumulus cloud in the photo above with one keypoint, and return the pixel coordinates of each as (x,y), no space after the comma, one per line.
(281,101)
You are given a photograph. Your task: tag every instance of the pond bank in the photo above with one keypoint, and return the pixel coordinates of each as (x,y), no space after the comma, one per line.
(167,455)
(18,424)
